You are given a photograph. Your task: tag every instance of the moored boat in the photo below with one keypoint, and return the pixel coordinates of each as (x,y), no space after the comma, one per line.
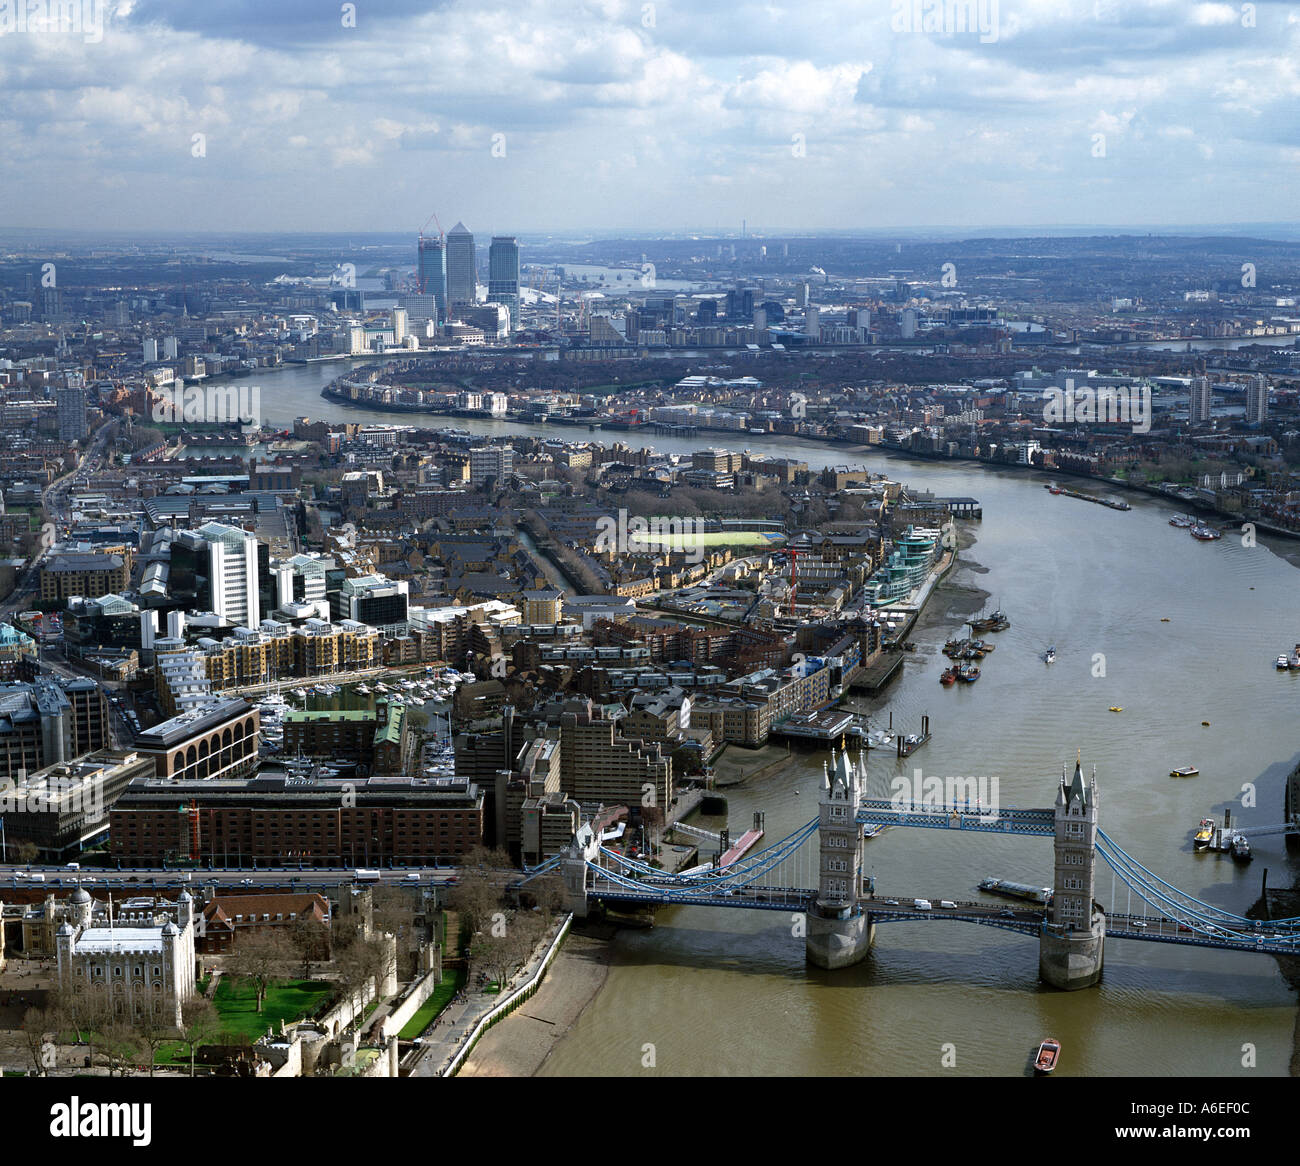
(1049,1052)
(1204,533)
(1240,849)
(1204,834)
(948,676)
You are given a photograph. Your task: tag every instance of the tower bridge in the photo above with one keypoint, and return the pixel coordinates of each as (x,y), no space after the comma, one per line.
(842,911)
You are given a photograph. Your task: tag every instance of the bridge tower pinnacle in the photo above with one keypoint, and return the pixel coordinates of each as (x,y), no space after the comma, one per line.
(838,933)
(1070,948)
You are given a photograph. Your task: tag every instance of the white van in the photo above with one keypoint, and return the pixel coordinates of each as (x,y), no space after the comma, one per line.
(921,904)
(73,866)
(947,903)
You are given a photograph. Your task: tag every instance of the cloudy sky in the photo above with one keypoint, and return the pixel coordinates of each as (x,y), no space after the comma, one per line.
(574,115)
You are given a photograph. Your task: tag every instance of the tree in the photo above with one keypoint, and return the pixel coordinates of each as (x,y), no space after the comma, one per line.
(259,956)
(122,1046)
(478,894)
(83,1012)
(504,947)
(200,1024)
(548,893)
(358,960)
(39,1025)
(151,1032)
(310,940)
(27,852)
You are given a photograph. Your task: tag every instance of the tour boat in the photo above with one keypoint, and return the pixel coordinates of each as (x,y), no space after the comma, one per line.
(1204,533)
(1204,834)
(1050,655)
(1184,771)
(1048,1054)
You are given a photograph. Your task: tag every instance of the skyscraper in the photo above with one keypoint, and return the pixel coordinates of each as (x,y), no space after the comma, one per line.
(431,271)
(503,275)
(72,410)
(232,563)
(1198,405)
(1256,399)
(462,274)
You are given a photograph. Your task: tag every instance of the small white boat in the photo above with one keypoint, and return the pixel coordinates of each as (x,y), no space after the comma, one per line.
(1283,664)
(1049,656)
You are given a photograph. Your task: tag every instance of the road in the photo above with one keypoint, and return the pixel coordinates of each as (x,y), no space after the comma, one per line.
(54,501)
(155,878)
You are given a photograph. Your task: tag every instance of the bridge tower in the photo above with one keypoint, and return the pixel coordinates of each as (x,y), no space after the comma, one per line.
(583,848)
(1070,946)
(839,933)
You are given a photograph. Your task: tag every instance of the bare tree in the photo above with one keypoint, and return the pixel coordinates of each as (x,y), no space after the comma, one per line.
(83,1012)
(310,939)
(151,1033)
(39,1025)
(259,956)
(504,947)
(547,892)
(200,1024)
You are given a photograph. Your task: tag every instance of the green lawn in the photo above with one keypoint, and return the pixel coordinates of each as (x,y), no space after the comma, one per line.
(452,982)
(236,1003)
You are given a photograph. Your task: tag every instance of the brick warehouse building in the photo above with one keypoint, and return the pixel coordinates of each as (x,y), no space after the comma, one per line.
(278,821)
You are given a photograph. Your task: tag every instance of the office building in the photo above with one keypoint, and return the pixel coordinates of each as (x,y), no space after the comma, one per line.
(431,274)
(462,270)
(503,275)
(232,574)
(490,463)
(275,819)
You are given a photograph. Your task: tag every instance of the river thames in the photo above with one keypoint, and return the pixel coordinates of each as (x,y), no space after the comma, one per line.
(721,992)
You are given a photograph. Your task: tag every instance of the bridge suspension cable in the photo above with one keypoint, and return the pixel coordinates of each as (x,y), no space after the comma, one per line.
(1170,900)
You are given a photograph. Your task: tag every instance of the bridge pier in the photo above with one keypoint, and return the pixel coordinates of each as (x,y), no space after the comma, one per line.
(838,943)
(1072,959)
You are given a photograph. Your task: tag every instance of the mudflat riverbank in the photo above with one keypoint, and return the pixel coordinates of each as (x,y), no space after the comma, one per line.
(518,1045)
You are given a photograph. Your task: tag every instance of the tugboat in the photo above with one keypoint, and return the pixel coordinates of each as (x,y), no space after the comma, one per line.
(1049,1053)
(948,676)
(1240,849)
(1049,656)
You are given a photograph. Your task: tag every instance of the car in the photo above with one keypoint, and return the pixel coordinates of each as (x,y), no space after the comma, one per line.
(892,902)
(245,882)
(1007,914)
(1138,923)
